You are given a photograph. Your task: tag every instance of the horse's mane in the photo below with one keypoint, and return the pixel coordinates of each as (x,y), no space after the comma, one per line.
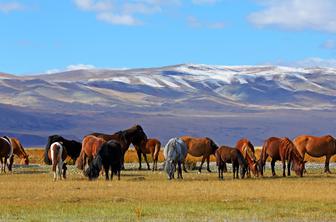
(288,143)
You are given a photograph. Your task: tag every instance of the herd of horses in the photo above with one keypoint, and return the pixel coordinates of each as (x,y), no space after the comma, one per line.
(100,153)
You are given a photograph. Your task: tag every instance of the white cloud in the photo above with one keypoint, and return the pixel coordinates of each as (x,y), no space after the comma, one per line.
(123,12)
(7,7)
(329,44)
(71,68)
(296,14)
(311,62)
(196,23)
(205,2)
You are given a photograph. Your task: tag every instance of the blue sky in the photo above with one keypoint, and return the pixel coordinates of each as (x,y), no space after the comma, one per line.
(47,35)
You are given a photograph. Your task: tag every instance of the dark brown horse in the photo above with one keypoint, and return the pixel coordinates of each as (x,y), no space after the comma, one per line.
(152,146)
(134,135)
(18,151)
(57,154)
(200,147)
(316,147)
(6,152)
(225,154)
(90,147)
(282,149)
(246,148)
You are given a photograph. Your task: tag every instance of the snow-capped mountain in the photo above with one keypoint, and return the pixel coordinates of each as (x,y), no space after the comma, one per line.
(224,102)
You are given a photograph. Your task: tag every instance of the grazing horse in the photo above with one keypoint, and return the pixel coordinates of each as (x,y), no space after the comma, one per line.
(246,148)
(200,147)
(72,147)
(152,146)
(6,152)
(109,156)
(57,154)
(134,135)
(317,147)
(18,151)
(282,149)
(174,153)
(225,154)
(90,148)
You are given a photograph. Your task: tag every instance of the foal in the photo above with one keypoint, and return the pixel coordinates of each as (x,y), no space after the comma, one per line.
(58,154)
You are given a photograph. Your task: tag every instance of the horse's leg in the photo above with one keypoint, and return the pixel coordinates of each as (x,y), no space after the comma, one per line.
(64,170)
(326,166)
(179,170)
(10,165)
(184,167)
(284,167)
(54,170)
(5,164)
(272,166)
(200,168)
(145,157)
(289,161)
(106,168)
(139,157)
(208,166)
(153,158)
(118,174)
(60,165)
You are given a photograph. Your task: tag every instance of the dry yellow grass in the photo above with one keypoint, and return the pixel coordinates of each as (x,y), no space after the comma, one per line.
(30,195)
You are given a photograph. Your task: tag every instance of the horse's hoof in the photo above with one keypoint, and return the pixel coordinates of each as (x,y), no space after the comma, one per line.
(209,171)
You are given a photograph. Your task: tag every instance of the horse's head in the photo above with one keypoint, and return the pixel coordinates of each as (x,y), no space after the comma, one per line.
(170,168)
(94,169)
(25,160)
(248,152)
(213,145)
(299,167)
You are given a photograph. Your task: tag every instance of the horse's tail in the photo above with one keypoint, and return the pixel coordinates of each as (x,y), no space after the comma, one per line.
(46,150)
(80,160)
(157,150)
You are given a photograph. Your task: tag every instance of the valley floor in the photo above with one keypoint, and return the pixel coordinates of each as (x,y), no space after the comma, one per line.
(29,194)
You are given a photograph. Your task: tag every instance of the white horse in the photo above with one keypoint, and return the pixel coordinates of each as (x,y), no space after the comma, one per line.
(174,153)
(57,154)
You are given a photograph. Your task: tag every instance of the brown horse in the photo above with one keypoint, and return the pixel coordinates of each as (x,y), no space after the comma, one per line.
(6,152)
(18,151)
(152,146)
(134,135)
(90,148)
(57,154)
(282,149)
(317,147)
(200,147)
(226,154)
(246,148)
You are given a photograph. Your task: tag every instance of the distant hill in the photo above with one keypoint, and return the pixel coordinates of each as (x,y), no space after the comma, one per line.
(222,102)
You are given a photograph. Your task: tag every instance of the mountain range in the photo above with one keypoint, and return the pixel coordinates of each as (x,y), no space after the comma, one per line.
(221,102)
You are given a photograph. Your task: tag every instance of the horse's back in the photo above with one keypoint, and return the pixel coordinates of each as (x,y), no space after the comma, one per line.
(197,146)
(316,146)
(91,145)
(5,147)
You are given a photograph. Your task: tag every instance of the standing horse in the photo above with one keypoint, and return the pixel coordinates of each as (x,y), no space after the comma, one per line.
(72,147)
(18,151)
(246,148)
(317,147)
(200,147)
(174,153)
(152,146)
(134,135)
(282,149)
(225,154)
(6,152)
(57,154)
(109,156)
(90,148)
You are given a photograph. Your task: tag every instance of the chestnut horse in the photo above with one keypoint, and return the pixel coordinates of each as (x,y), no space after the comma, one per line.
(200,147)
(246,148)
(6,152)
(152,146)
(18,151)
(57,154)
(90,148)
(225,154)
(134,135)
(316,147)
(282,149)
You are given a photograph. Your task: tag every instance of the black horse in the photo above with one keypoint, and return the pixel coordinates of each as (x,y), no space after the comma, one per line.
(72,147)
(110,157)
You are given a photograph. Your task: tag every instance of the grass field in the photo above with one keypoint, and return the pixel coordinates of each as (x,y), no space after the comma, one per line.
(29,194)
